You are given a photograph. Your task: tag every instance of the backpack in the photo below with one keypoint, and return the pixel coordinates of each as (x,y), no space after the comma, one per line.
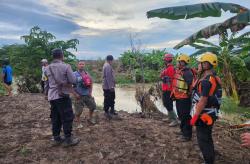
(86,79)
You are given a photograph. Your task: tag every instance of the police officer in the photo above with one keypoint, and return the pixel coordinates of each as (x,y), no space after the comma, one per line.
(59,85)
(182,88)
(108,85)
(167,76)
(207,91)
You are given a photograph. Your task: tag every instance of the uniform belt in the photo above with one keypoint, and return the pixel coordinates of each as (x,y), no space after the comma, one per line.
(211,110)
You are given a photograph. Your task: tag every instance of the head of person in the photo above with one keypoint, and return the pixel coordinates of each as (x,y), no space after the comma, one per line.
(207,61)
(109,59)
(168,58)
(44,62)
(57,53)
(183,60)
(80,65)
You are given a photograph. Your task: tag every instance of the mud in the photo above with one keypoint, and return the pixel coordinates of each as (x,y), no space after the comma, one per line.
(25,138)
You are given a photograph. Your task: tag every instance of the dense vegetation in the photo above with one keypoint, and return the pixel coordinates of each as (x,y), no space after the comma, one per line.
(25,58)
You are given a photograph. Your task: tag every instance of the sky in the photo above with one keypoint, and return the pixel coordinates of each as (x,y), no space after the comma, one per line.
(104,27)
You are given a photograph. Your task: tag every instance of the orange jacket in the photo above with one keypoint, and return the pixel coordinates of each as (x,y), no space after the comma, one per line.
(180,86)
(167,76)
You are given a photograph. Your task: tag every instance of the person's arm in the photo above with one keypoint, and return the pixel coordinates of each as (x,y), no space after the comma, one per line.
(188,77)
(205,88)
(245,139)
(171,72)
(46,84)
(70,75)
(108,76)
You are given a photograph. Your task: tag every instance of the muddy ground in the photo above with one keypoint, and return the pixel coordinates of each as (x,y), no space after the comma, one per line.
(25,138)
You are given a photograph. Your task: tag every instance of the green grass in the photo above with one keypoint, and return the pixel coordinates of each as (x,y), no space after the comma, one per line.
(229,106)
(24,151)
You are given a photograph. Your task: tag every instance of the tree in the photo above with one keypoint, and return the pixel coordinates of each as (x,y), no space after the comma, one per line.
(225,48)
(25,58)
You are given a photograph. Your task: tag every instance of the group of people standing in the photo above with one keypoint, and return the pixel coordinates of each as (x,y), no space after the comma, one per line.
(59,82)
(199,90)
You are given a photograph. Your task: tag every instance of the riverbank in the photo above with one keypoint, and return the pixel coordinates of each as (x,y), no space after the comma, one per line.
(25,136)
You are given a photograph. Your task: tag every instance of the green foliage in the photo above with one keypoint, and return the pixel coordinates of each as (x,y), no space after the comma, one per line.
(25,58)
(201,10)
(230,106)
(150,75)
(146,66)
(2,90)
(232,54)
(123,79)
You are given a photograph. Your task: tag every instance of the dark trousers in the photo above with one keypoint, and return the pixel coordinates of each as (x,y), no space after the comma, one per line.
(183,107)
(205,141)
(42,86)
(61,116)
(167,100)
(109,100)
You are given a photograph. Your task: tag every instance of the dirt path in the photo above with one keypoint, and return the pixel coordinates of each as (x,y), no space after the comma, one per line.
(25,138)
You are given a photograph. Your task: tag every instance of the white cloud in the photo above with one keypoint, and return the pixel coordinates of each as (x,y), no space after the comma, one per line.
(166,44)
(4,26)
(10,37)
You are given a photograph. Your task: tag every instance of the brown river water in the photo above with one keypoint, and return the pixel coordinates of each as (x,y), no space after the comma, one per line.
(125,99)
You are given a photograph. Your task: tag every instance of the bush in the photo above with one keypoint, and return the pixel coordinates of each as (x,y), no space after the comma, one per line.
(123,79)
(230,106)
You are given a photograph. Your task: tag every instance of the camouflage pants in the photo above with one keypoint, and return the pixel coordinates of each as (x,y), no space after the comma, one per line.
(79,104)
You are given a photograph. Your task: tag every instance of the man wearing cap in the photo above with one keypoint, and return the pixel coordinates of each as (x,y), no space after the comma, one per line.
(108,86)
(59,85)
(44,63)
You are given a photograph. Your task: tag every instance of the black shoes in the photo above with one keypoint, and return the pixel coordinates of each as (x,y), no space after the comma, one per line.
(70,141)
(58,140)
(184,139)
(107,115)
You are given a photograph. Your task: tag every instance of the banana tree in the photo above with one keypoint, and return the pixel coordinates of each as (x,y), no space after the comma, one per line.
(201,10)
(231,61)
(236,23)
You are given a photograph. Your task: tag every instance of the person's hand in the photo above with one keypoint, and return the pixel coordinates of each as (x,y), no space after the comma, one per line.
(194,120)
(245,139)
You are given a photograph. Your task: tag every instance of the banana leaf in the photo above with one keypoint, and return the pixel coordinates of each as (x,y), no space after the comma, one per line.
(201,10)
(235,24)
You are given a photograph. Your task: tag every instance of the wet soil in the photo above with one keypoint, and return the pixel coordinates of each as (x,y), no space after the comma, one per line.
(25,137)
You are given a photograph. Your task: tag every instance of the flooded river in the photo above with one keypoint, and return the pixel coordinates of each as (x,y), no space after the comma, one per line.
(125,99)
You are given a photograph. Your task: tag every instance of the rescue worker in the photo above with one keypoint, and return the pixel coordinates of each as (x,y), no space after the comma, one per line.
(59,85)
(167,76)
(207,92)
(182,89)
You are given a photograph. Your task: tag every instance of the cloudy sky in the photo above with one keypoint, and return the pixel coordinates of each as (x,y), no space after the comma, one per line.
(102,26)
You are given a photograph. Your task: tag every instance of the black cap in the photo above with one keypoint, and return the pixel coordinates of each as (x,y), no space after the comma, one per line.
(109,58)
(57,52)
